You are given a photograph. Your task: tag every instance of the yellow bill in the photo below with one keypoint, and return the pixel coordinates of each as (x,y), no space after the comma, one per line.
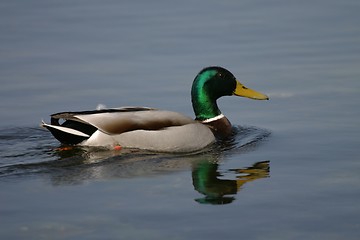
(243,91)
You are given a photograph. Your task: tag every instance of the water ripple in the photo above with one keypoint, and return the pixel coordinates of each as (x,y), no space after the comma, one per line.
(29,150)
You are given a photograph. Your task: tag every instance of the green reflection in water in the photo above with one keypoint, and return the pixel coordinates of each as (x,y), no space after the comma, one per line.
(207,181)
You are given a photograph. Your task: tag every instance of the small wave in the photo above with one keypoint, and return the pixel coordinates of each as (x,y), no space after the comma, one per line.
(244,138)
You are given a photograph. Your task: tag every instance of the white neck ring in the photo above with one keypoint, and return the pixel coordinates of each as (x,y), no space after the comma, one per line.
(213,119)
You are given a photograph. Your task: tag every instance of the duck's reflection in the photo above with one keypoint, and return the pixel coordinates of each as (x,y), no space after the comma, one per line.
(207,180)
(72,165)
(218,185)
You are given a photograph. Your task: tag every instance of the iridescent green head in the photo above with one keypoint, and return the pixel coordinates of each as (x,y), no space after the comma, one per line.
(212,83)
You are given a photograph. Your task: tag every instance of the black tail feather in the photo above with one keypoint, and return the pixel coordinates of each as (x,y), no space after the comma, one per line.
(64,137)
(82,127)
(68,138)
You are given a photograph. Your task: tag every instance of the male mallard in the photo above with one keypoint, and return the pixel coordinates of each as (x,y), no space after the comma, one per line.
(153,129)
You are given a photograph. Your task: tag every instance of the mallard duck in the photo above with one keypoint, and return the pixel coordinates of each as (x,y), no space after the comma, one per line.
(154,129)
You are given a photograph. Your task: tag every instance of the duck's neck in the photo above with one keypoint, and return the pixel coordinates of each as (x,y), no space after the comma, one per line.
(204,107)
(203,102)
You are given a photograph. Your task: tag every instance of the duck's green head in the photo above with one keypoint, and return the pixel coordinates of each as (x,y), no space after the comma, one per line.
(212,83)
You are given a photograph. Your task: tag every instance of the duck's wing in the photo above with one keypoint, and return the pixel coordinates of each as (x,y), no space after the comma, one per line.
(120,120)
(142,128)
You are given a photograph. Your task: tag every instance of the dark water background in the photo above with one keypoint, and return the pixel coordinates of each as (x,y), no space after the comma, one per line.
(295,157)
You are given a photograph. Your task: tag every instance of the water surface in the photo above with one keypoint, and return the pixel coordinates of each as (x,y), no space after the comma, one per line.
(291,171)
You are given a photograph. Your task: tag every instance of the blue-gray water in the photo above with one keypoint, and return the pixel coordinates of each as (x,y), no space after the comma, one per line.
(297,155)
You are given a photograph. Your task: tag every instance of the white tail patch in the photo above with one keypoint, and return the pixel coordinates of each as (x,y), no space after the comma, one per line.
(100,106)
(65,129)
